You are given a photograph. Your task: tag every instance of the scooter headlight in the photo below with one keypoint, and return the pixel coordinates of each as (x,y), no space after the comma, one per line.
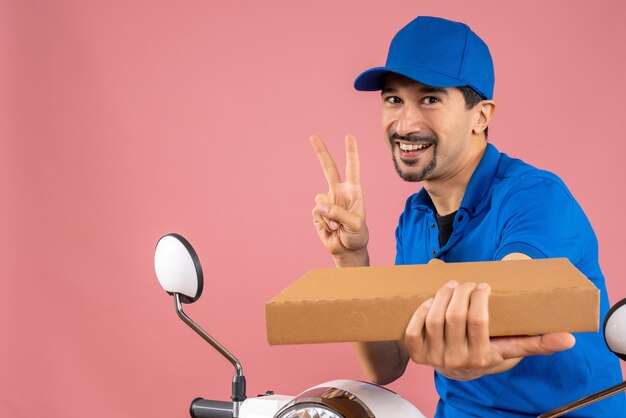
(311,412)
(325,402)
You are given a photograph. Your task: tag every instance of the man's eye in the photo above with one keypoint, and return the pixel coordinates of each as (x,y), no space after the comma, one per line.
(430,100)
(393,100)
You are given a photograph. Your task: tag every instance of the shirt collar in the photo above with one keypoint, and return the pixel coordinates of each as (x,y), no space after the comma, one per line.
(481,180)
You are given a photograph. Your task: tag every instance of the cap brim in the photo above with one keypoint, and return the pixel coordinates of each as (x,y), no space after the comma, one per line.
(374,78)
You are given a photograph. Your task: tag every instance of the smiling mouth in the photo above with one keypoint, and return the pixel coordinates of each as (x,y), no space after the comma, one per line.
(413,147)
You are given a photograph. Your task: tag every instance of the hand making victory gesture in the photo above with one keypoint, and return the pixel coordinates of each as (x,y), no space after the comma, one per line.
(339,214)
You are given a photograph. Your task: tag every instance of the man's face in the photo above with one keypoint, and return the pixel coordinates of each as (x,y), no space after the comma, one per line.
(429,129)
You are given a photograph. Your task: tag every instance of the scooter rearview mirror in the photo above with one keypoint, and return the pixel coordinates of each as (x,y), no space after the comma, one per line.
(615,329)
(178,268)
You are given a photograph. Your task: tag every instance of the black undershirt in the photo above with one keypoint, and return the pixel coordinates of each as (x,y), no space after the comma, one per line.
(445,227)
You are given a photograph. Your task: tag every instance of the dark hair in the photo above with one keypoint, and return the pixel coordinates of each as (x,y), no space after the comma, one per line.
(472,98)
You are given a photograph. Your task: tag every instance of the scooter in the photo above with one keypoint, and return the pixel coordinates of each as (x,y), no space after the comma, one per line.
(179,272)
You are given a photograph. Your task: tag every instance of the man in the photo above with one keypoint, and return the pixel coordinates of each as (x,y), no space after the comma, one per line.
(476,204)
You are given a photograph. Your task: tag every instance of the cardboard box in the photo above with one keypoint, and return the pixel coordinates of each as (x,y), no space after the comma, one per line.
(375,303)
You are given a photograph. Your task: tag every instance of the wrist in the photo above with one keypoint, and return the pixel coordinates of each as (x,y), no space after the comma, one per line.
(470,374)
(358,258)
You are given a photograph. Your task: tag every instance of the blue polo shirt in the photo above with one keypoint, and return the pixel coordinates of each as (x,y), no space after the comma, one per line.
(510,206)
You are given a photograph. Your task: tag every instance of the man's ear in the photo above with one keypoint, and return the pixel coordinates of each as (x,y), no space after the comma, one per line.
(486,109)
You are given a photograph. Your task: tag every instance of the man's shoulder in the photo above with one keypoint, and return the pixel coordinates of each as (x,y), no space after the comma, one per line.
(514,173)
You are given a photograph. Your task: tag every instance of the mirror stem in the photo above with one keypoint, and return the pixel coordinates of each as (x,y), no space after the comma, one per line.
(239,381)
(214,343)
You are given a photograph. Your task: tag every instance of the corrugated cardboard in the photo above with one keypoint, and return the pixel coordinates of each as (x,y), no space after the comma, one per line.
(375,303)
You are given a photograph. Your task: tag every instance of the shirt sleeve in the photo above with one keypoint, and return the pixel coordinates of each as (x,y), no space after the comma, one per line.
(540,218)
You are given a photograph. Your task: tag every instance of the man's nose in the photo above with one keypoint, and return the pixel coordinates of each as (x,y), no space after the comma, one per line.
(410,120)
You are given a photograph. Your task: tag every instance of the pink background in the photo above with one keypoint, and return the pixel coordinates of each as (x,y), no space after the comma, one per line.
(122,120)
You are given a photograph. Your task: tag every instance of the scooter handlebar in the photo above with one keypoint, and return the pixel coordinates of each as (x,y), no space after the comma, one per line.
(205,408)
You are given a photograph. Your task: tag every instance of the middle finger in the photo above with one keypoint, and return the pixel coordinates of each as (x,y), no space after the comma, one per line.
(456,318)
(436,320)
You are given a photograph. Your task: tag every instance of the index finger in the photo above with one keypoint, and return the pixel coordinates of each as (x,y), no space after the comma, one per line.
(352,160)
(327,162)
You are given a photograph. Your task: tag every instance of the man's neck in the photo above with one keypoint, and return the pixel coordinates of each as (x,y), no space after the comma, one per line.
(447,192)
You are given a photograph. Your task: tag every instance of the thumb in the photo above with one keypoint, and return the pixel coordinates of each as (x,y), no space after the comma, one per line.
(514,347)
